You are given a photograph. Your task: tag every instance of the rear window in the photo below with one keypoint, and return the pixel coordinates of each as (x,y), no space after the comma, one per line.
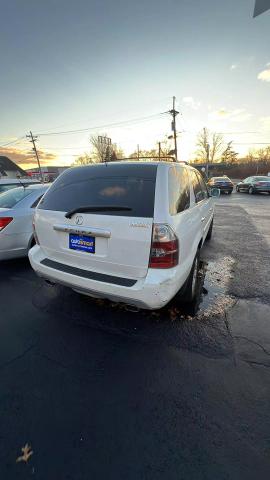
(221,179)
(110,185)
(261,179)
(13,196)
(5,188)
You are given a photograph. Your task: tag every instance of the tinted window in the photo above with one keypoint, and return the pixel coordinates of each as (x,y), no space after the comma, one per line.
(261,179)
(5,188)
(222,179)
(13,196)
(36,201)
(198,192)
(179,190)
(203,186)
(104,185)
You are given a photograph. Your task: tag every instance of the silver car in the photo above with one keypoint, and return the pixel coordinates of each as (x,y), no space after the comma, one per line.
(17,207)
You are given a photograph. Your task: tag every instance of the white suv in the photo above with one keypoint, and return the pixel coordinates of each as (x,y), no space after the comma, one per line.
(127,231)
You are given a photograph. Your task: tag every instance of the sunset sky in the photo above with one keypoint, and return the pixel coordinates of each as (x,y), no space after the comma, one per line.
(84,64)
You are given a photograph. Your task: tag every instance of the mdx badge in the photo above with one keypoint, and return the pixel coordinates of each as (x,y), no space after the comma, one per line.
(139,225)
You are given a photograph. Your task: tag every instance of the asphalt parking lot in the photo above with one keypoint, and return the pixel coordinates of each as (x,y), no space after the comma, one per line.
(100,392)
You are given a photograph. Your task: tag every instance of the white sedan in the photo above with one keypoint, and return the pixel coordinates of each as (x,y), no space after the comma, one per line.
(17,207)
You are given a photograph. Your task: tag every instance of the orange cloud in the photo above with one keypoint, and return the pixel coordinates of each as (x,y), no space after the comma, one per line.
(26,158)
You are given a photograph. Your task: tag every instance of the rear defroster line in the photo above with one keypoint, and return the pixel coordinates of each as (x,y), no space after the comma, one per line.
(79,272)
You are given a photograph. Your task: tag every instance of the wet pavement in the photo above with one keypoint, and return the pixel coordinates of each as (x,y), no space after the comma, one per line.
(99,391)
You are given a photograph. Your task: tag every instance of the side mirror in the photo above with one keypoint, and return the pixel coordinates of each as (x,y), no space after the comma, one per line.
(215,192)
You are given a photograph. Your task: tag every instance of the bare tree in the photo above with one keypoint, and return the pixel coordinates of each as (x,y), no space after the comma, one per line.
(84,159)
(217,146)
(99,150)
(102,152)
(215,142)
(229,155)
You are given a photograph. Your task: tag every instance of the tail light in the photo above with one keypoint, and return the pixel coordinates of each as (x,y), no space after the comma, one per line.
(35,233)
(4,221)
(164,248)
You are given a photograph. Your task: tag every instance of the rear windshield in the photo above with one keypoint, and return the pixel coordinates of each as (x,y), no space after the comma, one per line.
(221,179)
(131,186)
(5,188)
(13,196)
(261,179)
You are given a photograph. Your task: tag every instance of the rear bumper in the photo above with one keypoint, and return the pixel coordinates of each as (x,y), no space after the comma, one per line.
(225,189)
(152,292)
(13,245)
(261,189)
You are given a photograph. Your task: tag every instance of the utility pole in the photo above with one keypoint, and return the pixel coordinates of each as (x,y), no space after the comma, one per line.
(174,114)
(207,154)
(207,161)
(159,150)
(33,139)
(138,152)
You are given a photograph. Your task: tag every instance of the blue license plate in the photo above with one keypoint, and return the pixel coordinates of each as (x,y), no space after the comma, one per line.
(82,243)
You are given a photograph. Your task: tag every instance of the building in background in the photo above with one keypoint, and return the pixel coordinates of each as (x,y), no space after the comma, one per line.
(49,173)
(9,169)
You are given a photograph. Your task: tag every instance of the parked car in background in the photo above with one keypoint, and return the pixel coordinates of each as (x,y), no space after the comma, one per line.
(127,231)
(256,184)
(8,183)
(223,183)
(17,207)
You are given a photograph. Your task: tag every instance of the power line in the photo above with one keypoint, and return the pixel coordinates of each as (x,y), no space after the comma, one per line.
(122,112)
(69,132)
(11,143)
(238,133)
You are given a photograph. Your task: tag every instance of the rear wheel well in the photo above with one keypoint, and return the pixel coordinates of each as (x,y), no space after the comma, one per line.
(32,242)
(200,244)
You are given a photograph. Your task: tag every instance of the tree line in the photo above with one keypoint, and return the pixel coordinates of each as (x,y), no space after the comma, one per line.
(209,144)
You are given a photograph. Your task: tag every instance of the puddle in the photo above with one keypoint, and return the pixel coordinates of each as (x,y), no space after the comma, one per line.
(214,298)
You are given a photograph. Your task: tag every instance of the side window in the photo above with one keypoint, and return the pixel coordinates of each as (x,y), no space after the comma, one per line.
(198,193)
(36,201)
(179,190)
(203,186)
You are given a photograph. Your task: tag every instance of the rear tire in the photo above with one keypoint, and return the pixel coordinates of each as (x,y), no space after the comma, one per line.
(237,189)
(188,292)
(250,191)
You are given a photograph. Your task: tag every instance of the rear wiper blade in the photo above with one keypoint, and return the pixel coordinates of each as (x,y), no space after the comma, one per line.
(100,208)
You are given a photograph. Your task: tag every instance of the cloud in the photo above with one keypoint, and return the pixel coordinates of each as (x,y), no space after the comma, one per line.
(264,76)
(236,115)
(190,102)
(26,157)
(233,66)
(265,123)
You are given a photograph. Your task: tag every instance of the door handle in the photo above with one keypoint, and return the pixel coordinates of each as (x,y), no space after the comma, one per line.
(203,219)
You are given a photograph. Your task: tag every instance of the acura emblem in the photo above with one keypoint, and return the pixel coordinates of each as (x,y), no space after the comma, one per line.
(79,220)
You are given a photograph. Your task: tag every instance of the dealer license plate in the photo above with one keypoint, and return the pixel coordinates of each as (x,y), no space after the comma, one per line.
(82,243)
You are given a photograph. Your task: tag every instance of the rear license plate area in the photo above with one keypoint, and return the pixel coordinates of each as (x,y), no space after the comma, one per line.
(83,243)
